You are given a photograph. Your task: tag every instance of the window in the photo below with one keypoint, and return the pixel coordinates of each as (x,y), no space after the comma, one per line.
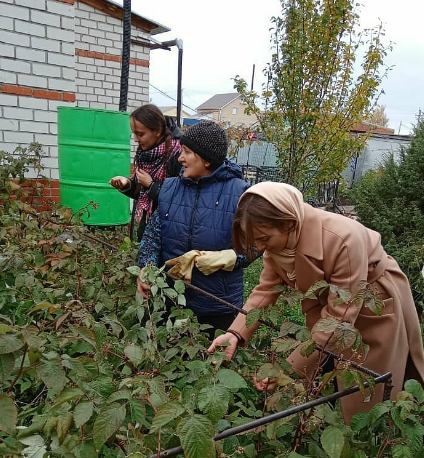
(234,110)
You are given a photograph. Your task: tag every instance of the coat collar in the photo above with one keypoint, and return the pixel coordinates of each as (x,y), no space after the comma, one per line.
(310,240)
(309,249)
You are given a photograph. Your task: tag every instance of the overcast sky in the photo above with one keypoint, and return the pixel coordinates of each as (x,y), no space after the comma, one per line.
(225,38)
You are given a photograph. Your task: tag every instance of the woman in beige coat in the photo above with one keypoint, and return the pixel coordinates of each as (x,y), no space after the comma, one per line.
(302,245)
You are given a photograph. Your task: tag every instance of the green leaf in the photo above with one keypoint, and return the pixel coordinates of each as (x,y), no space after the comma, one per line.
(231,379)
(401,451)
(135,354)
(166,413)
(415,388)
(252,317)
(345,335)
(9,414)
(179,287)
(52,374)
(82,413)
(327,324)
(415,433)
(268,370)
(68,394)
(7,364)
(100,332)
(107,423)
(347,378)
(377,411)
(10,343)
(64,423)
(308,347)
(213,401)
(120,394)
(36,447)
(138,412)
(196,435)
(134,270)
(284,345)
(333,440)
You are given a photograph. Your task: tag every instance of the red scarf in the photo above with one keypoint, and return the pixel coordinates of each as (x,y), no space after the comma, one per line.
(154,162)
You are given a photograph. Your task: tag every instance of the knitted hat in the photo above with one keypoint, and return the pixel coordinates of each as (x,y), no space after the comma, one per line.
(208,140)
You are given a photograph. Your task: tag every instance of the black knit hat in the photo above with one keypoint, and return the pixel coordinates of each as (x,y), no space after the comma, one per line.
(208,140)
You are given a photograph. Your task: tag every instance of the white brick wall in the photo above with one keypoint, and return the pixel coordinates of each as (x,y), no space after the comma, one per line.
(38,43)
(98,80)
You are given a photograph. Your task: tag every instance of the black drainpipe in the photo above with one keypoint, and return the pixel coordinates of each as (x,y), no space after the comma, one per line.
(126,48)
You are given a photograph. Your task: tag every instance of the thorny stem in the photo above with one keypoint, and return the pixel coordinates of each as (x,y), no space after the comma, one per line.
(125,359)
(383,447)
(85,394)
(120,445)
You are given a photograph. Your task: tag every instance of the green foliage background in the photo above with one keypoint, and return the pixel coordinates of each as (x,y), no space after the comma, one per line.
(89,369)
(391,201)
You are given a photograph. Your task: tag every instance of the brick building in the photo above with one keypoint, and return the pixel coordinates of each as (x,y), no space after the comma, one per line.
(64,53)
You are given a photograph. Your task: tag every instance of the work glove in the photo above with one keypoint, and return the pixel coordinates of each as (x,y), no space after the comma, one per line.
(183,265)
(209,262)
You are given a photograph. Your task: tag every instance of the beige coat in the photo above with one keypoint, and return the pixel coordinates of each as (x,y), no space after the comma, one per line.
(344,252)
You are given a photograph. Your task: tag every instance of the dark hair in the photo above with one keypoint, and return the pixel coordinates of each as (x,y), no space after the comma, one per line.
(150,116)
(254,210)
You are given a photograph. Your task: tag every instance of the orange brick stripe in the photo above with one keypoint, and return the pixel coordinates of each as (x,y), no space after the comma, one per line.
(37,93)
(113,57)
(71,2)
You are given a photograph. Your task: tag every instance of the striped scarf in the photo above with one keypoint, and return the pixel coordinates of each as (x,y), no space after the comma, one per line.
(154,162)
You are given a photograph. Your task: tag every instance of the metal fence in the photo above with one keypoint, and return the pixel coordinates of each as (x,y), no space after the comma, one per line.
(259,162)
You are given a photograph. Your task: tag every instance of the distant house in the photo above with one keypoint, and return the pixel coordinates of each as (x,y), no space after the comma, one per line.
(172,111)
(226,108)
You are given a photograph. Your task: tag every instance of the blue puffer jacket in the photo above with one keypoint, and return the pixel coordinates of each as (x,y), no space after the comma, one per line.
(199,216)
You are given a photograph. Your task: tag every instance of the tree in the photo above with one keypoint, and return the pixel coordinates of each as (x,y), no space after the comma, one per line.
(378,116)
(313,98)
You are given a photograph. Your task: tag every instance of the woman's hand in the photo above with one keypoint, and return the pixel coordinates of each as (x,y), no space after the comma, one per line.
(265,384)
(143,288)
(144,178)
(222,339)
(120,183)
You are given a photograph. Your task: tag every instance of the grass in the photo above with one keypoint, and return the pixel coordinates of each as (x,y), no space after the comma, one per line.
(251,279)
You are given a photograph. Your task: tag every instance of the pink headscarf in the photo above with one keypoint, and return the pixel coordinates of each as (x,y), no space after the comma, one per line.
(288,200)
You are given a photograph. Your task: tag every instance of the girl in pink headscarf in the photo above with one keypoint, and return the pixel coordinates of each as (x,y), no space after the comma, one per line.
(302,245)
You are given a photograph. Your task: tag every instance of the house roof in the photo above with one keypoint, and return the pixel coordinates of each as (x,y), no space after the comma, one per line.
(116,10)
(367,127)
(218,101)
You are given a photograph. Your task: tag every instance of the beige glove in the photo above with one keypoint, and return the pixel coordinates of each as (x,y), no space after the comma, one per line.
(210,261)
(183,265)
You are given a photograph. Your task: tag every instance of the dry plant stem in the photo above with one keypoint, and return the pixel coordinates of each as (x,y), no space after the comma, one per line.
(158,448)
(20,371)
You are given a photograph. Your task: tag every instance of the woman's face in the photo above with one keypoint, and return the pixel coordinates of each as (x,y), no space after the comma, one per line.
(194,166)
(270,238)
(145,137)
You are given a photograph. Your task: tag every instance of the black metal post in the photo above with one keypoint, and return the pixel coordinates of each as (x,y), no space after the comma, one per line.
(179,89)
(126,49)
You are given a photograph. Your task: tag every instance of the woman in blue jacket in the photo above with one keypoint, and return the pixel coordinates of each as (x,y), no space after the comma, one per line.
(192,226)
